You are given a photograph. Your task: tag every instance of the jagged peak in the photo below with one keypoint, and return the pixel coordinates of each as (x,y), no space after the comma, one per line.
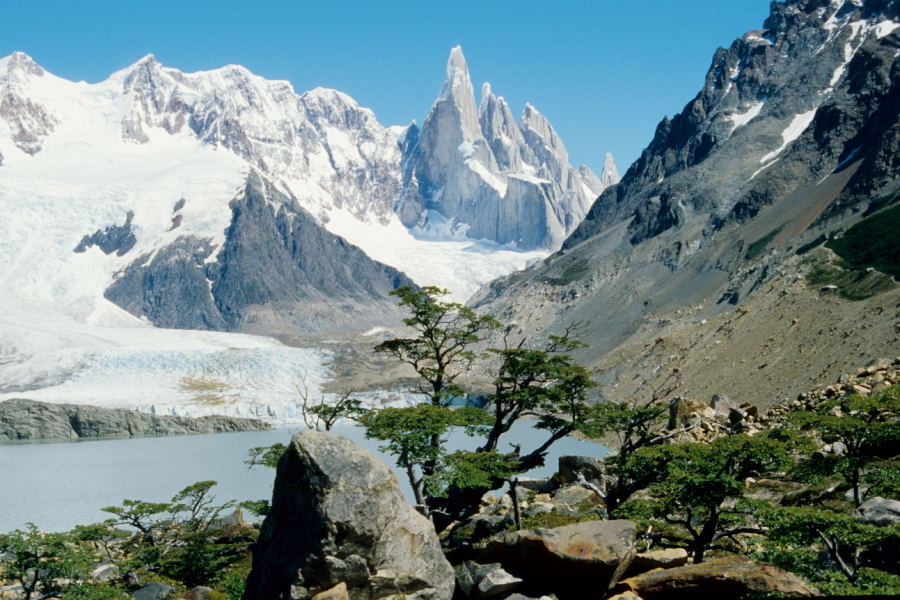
(533,119)
(486,91)
(20,62)
(610,173)
(329,95)
(458,80)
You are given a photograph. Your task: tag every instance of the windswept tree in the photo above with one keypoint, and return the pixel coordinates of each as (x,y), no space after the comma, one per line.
(543,383)
(442,347)
(695,489)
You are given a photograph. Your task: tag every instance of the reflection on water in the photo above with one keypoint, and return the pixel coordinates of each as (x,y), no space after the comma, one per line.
(59,485)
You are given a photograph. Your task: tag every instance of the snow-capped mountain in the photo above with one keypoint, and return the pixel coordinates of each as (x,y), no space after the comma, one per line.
(211,200)
(495,178)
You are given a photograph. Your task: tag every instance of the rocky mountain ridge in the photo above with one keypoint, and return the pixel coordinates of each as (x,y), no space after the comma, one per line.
(793,139)
(22,419)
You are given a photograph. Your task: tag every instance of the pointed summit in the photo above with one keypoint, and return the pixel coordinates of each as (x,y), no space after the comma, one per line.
(610,173)
(20,63)
(458,80)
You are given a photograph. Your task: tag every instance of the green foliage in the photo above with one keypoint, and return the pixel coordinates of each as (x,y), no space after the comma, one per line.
(689,484)
(465,470)
(45,564)
(842,536)
(442,349)
(96,591)
(265,456)
(542,383)
(573,272)
(852,284)
(546,384)
(873,242)
(869,429)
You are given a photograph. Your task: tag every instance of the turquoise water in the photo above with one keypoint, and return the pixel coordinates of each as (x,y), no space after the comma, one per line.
(59,485)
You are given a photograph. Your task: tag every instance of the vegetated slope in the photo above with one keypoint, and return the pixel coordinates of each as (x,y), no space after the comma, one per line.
(689,268)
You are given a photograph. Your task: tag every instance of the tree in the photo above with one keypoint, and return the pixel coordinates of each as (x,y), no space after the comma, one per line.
(442,349)
(844,537)
(869,430)
(325,415)
(181,545)
(410,435)
(544,383)
(44,563)
(692,483)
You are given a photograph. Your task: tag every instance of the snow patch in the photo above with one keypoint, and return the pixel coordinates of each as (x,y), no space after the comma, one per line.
(885,28)
(742,118)
(796,127)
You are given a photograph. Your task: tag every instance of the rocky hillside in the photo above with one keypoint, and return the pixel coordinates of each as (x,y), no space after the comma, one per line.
(31,420)
(706,262)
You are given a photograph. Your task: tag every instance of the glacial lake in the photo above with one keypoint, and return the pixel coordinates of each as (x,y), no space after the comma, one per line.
(62,484)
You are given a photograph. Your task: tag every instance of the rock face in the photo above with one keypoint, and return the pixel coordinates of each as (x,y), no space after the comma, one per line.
(879,511)
(792,138)
(497,179)
(729,577)
(278,271)
(22,419)
(562,559)
(338,516)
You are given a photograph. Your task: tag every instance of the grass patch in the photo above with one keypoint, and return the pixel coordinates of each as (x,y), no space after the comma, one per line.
(873,242)
(757,247)
(575,271)
(811,245)
(852,284)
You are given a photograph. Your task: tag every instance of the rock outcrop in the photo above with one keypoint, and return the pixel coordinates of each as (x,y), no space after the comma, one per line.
(278,271)
(22,419)
(729,577)
(562,559)
(338,516)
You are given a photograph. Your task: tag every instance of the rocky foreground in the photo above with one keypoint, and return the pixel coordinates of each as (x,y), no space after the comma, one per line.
(22,419)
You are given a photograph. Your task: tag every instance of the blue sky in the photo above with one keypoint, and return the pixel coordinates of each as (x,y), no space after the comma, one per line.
(604,72)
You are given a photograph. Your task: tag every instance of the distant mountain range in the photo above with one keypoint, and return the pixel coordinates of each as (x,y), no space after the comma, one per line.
(213,200)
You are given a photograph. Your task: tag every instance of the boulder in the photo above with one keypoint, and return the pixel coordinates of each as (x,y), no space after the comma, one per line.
(666,558)
(338,515)
(200,592)
(592,468)
(728,577)
(561,559)
(879,511)
(338,592)
(572,499)
(484,581)
(684,413)
(544,485)
(154,591)
(105,572)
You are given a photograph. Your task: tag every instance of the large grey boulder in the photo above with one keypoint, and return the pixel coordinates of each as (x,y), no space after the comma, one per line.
(562,559)
(338,515)
(879,511)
